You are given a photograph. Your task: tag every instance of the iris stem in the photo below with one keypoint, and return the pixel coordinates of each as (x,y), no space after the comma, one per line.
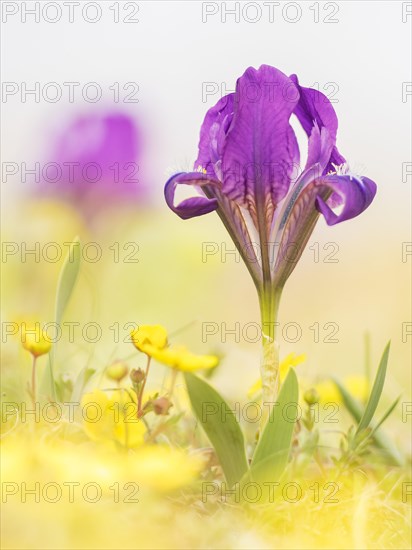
(269,367)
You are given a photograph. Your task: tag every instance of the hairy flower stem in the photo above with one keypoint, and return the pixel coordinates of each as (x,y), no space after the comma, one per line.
(269,367)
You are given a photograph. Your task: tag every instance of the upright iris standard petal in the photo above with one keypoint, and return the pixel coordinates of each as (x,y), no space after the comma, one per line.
(314,108)
(212,135)
(261,150)
(192,207)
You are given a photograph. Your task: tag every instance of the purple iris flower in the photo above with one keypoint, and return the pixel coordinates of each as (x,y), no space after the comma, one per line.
(96,158)
(247,171)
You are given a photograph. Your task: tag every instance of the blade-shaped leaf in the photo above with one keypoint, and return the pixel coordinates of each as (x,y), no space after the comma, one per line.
(378,436)
(67,280)
(376,392)
(220,426)
(385,416)
(272,451)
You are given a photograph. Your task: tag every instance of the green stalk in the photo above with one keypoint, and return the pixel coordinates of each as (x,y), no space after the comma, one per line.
(269,366)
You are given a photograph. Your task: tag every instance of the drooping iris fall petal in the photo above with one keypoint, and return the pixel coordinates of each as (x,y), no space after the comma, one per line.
(192,207)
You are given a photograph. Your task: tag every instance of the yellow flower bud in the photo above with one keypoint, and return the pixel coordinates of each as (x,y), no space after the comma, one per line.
(35,340)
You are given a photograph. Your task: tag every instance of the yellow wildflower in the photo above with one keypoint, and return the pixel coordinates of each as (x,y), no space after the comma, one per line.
(165,469)
(152,340)
(180,358)
(356,384)
(34,339)
(112,416)
(291,360)
(328,392)
(148,338)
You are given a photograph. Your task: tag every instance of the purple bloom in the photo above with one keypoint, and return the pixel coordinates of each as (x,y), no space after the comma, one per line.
(96,159)
(247,170)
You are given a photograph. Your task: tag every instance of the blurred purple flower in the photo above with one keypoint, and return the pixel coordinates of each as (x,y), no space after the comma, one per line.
(95,162)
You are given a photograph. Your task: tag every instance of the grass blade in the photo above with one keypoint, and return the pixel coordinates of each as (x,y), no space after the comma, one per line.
(385,416)
(376,392)
(378,436)
(67,280)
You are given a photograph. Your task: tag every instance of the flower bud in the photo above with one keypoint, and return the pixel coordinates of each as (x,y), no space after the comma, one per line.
(311,396)
(161,406)
(117,371)
(137,376)
(35,340)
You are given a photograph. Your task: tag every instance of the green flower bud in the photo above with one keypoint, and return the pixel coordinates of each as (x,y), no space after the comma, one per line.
(117,371)
(311,396)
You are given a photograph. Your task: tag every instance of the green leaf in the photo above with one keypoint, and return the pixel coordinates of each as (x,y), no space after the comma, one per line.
(67,280)
(220,426)
(350,403)
(376,392)
(385,416)
(355,409)
(379,438)
(272,451)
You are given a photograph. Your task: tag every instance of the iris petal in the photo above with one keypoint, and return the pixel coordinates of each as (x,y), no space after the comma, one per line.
(212,134)
(195,206)
(315,108)
(260,151)
(356,195)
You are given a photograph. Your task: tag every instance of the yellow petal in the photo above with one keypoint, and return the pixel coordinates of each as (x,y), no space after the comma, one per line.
(358,386)
(328,392)
(291,360)
(180,358)
(164,468)
(111,416)
(149,337)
